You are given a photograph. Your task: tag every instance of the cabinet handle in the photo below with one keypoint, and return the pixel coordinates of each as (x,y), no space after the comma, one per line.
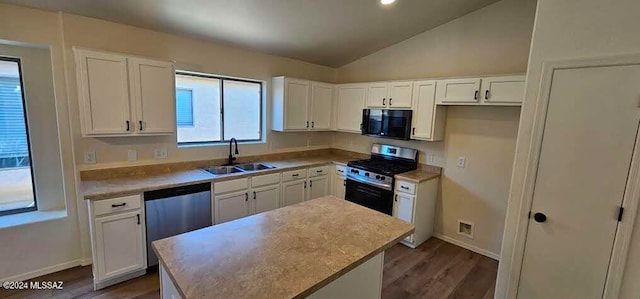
(413,131)
(344,183)
(128,126)
(138,215)
(140,125)
(119,205)
(475,95)
(295,175)
(254,194)
(319,171)
(403,187)
(390,101)
(310,184)
(305,184)
(246,197)
(383,101)
(486,94)
(396,198)
(307,124)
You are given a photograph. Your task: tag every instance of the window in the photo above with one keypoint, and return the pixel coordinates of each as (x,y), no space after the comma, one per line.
(215,109)
(16,176)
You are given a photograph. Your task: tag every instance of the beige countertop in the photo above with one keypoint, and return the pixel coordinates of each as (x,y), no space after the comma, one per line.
(290,252)
(120,186)
(418,176)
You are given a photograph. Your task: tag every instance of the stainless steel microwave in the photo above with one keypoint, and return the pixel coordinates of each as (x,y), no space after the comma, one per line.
(386,123)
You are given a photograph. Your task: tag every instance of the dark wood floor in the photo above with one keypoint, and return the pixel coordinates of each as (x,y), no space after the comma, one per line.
(436,269)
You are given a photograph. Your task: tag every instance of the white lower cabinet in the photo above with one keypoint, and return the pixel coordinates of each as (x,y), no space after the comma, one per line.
(231,206)
(339,181)
(318,186)
(266,198)
(118,240)
(416,203)
(293,192)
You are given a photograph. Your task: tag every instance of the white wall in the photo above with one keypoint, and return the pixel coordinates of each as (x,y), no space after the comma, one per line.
(492,40)
(42,247)
(570,29)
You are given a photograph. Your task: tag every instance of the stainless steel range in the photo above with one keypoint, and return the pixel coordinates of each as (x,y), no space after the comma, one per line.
(370,182)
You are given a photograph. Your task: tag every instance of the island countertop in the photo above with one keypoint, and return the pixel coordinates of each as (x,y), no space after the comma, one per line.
(289,252)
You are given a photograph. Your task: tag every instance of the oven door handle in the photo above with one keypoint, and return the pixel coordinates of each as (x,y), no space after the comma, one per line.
(357,179)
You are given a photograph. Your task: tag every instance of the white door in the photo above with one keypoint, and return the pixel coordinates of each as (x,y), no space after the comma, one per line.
(589,138)
(351,101)
(339,186)
(458,91)
(266,198)
(377,95)
(104,93)
(318,186)
(296,104)
(424,93)
(507,90)
(400,94)
(153,93)
(231,206)
(321,105)
(294,192)
(120,244)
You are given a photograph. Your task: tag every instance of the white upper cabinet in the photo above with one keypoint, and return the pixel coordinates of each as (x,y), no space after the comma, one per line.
(377,95)
(506,90)
(121,95)
(301,105)
(428,118)
(349,105)
(103,93)
(389,94)
(458,91)
(321,104)
(399,94)
(153,92)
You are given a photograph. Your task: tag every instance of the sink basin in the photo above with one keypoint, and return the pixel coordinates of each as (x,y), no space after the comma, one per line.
(254,166)
(219,170)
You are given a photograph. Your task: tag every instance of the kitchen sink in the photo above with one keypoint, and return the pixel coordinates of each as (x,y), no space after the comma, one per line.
(220,170)
(254,166)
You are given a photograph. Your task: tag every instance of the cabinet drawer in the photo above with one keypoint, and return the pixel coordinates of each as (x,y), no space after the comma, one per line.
(102,207)
(317,171)
(341,170)
(229,186)
(405,187)
(267,179)
(294,175)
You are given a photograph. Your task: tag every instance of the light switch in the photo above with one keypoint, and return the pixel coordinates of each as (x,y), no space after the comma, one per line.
(160,153)
(132,155)
(461,161)
(89,157)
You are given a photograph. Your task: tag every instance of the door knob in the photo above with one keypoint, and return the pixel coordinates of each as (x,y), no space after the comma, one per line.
(539,217)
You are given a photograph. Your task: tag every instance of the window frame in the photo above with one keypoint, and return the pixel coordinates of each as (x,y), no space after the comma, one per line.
(26,128)
(222,79)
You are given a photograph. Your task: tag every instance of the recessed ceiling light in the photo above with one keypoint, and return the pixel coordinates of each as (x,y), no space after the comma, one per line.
(387,2)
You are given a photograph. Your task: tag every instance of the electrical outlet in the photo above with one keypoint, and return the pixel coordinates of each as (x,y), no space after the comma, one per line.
(89,157)
(465,228)
(160,153)
(132,155)
(461,161)
(429,157)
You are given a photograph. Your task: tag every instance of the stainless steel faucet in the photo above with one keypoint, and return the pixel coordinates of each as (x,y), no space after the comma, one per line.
(231,157)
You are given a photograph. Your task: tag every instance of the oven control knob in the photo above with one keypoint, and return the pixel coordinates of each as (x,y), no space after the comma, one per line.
(354,171)
(377,177)
(382,178)
(366,174)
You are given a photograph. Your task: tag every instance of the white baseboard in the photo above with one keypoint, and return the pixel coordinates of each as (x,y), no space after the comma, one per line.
(86,262)
(464,245)
(43,271)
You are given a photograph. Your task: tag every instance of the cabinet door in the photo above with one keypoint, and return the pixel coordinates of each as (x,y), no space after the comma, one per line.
(321,104)
(339,186)
(458,91)
(266,198)
(296,95)
(153,93)
(351,101)
(103,94)
(400,94)
(318,186)
(377,95)
(293,192)
(423,109)
(231,206)
(507,90)
(403,207)
(120,244)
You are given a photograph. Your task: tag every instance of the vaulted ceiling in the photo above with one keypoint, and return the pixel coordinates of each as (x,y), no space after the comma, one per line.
(326,32)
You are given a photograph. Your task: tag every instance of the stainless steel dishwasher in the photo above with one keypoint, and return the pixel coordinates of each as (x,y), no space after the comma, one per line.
(173,211)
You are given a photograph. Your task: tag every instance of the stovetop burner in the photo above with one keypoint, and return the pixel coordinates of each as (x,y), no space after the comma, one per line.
(380,166)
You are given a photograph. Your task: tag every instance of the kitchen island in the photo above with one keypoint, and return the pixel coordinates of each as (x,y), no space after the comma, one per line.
(322,248)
